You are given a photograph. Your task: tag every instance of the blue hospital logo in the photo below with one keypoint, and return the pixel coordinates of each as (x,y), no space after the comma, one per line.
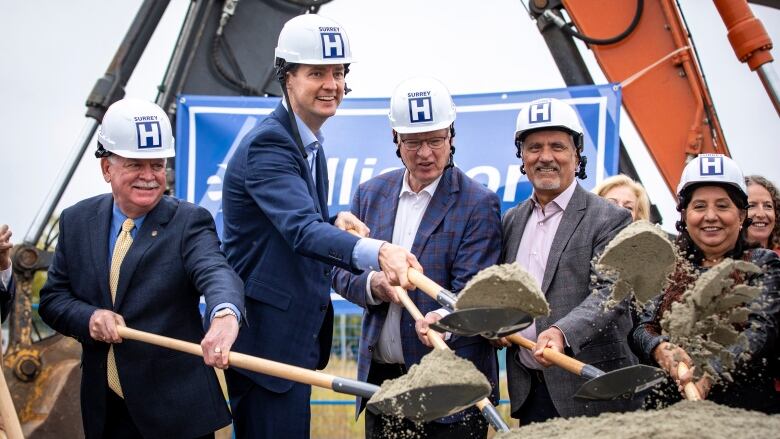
(539,112)
(332,45)
(420,110)
(149,134)
(711,166)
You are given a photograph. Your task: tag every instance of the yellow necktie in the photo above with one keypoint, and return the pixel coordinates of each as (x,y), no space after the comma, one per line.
(123,243)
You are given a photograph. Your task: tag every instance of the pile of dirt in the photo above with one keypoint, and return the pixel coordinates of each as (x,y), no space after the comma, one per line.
(703,323)
(639,259)
(504,286)
(442,371)
(685,419)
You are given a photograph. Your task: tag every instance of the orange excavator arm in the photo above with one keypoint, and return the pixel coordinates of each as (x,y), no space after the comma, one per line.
(663,88)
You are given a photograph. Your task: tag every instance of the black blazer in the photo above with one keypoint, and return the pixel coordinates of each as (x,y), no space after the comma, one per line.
(174,258)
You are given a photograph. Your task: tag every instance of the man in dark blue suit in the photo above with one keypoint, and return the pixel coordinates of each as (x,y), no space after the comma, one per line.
(451,223)
(280,239)
(137,257)
(7,287)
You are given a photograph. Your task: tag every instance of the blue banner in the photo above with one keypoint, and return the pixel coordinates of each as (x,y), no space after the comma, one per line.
(358,142)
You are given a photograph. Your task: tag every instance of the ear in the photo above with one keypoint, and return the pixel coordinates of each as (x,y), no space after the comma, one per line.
(105,164)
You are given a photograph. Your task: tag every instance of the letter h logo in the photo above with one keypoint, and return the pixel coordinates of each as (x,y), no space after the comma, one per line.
(420,110)
(332,45)
(149,135)
(711,166)
(539,113)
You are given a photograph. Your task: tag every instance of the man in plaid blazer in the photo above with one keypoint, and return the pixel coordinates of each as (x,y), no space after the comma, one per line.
(450,223)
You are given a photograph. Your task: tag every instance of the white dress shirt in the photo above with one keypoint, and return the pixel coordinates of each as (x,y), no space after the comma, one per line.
(411,208)
(5,276)
(534,250)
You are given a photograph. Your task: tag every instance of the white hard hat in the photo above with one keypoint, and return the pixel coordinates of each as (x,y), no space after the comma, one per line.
(313,39)
(712,168)
(136,129)
(420,105)
(549,113)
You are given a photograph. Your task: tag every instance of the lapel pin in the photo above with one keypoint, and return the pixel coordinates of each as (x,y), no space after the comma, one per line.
(154,233)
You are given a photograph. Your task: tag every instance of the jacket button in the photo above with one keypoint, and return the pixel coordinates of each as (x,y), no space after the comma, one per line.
(371,348)
(326,272)
(323,308)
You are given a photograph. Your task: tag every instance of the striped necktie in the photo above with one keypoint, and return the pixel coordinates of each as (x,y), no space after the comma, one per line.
(123,243)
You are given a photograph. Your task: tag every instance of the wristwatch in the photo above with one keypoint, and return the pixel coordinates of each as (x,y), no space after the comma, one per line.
(225,312)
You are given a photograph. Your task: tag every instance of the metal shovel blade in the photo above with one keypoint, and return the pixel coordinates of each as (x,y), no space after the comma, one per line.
(431,402)
(622,383)
(488,322)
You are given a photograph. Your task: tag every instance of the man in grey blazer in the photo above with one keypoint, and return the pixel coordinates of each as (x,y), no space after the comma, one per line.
(554,235)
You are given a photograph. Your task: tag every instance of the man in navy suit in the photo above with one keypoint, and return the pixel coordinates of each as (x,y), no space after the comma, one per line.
(451,223)
(7,287)
(280,239)
(139,258)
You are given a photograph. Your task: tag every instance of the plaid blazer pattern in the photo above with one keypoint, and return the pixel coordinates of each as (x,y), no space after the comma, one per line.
(459,235)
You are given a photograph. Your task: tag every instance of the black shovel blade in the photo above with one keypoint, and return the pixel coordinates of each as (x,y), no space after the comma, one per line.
(431,402)
(622,383)
(488,322)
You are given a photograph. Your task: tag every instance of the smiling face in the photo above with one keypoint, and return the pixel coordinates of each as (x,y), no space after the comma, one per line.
(713,221)
(315,92)
(624,197)
(425,164)
(549,159)
(761,209)
(137,184)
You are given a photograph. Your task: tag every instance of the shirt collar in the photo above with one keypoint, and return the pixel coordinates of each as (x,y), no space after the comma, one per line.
(307,136)
(430,189)
(562,200)
(118,218)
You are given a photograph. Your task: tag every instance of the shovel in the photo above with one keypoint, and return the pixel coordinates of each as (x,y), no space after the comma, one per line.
(484,405)
(489,322)
(11,424)
(620,383)
(439,400)
(690,390)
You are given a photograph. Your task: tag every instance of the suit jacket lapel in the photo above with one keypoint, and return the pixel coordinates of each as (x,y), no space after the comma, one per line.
(519,220)
(572,216)
(152,227)
(440,204)
(280,113)
(99,244)
(322,182)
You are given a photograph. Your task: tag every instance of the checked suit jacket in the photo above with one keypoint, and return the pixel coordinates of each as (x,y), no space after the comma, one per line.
(460,234)
(175,257)
(596,336)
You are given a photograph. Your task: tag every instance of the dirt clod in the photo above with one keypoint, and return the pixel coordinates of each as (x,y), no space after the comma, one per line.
(504,286)
(640,259)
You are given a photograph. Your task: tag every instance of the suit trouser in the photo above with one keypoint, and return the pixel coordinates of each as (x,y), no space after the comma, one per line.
(538,406)
(260,413)
(119,424)
(473,425)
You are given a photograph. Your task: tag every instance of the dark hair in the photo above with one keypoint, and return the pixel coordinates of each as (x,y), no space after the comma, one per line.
(774,237)
(684,241)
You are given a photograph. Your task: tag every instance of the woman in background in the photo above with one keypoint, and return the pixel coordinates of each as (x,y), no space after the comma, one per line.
(763,210)
(625,192)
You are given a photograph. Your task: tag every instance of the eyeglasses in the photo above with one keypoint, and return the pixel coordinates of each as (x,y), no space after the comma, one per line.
(433,143)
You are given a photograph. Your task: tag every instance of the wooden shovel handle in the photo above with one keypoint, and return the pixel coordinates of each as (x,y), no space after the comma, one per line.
(243,361)
(690,390)
(561,360)
(11,424)
(424,283)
